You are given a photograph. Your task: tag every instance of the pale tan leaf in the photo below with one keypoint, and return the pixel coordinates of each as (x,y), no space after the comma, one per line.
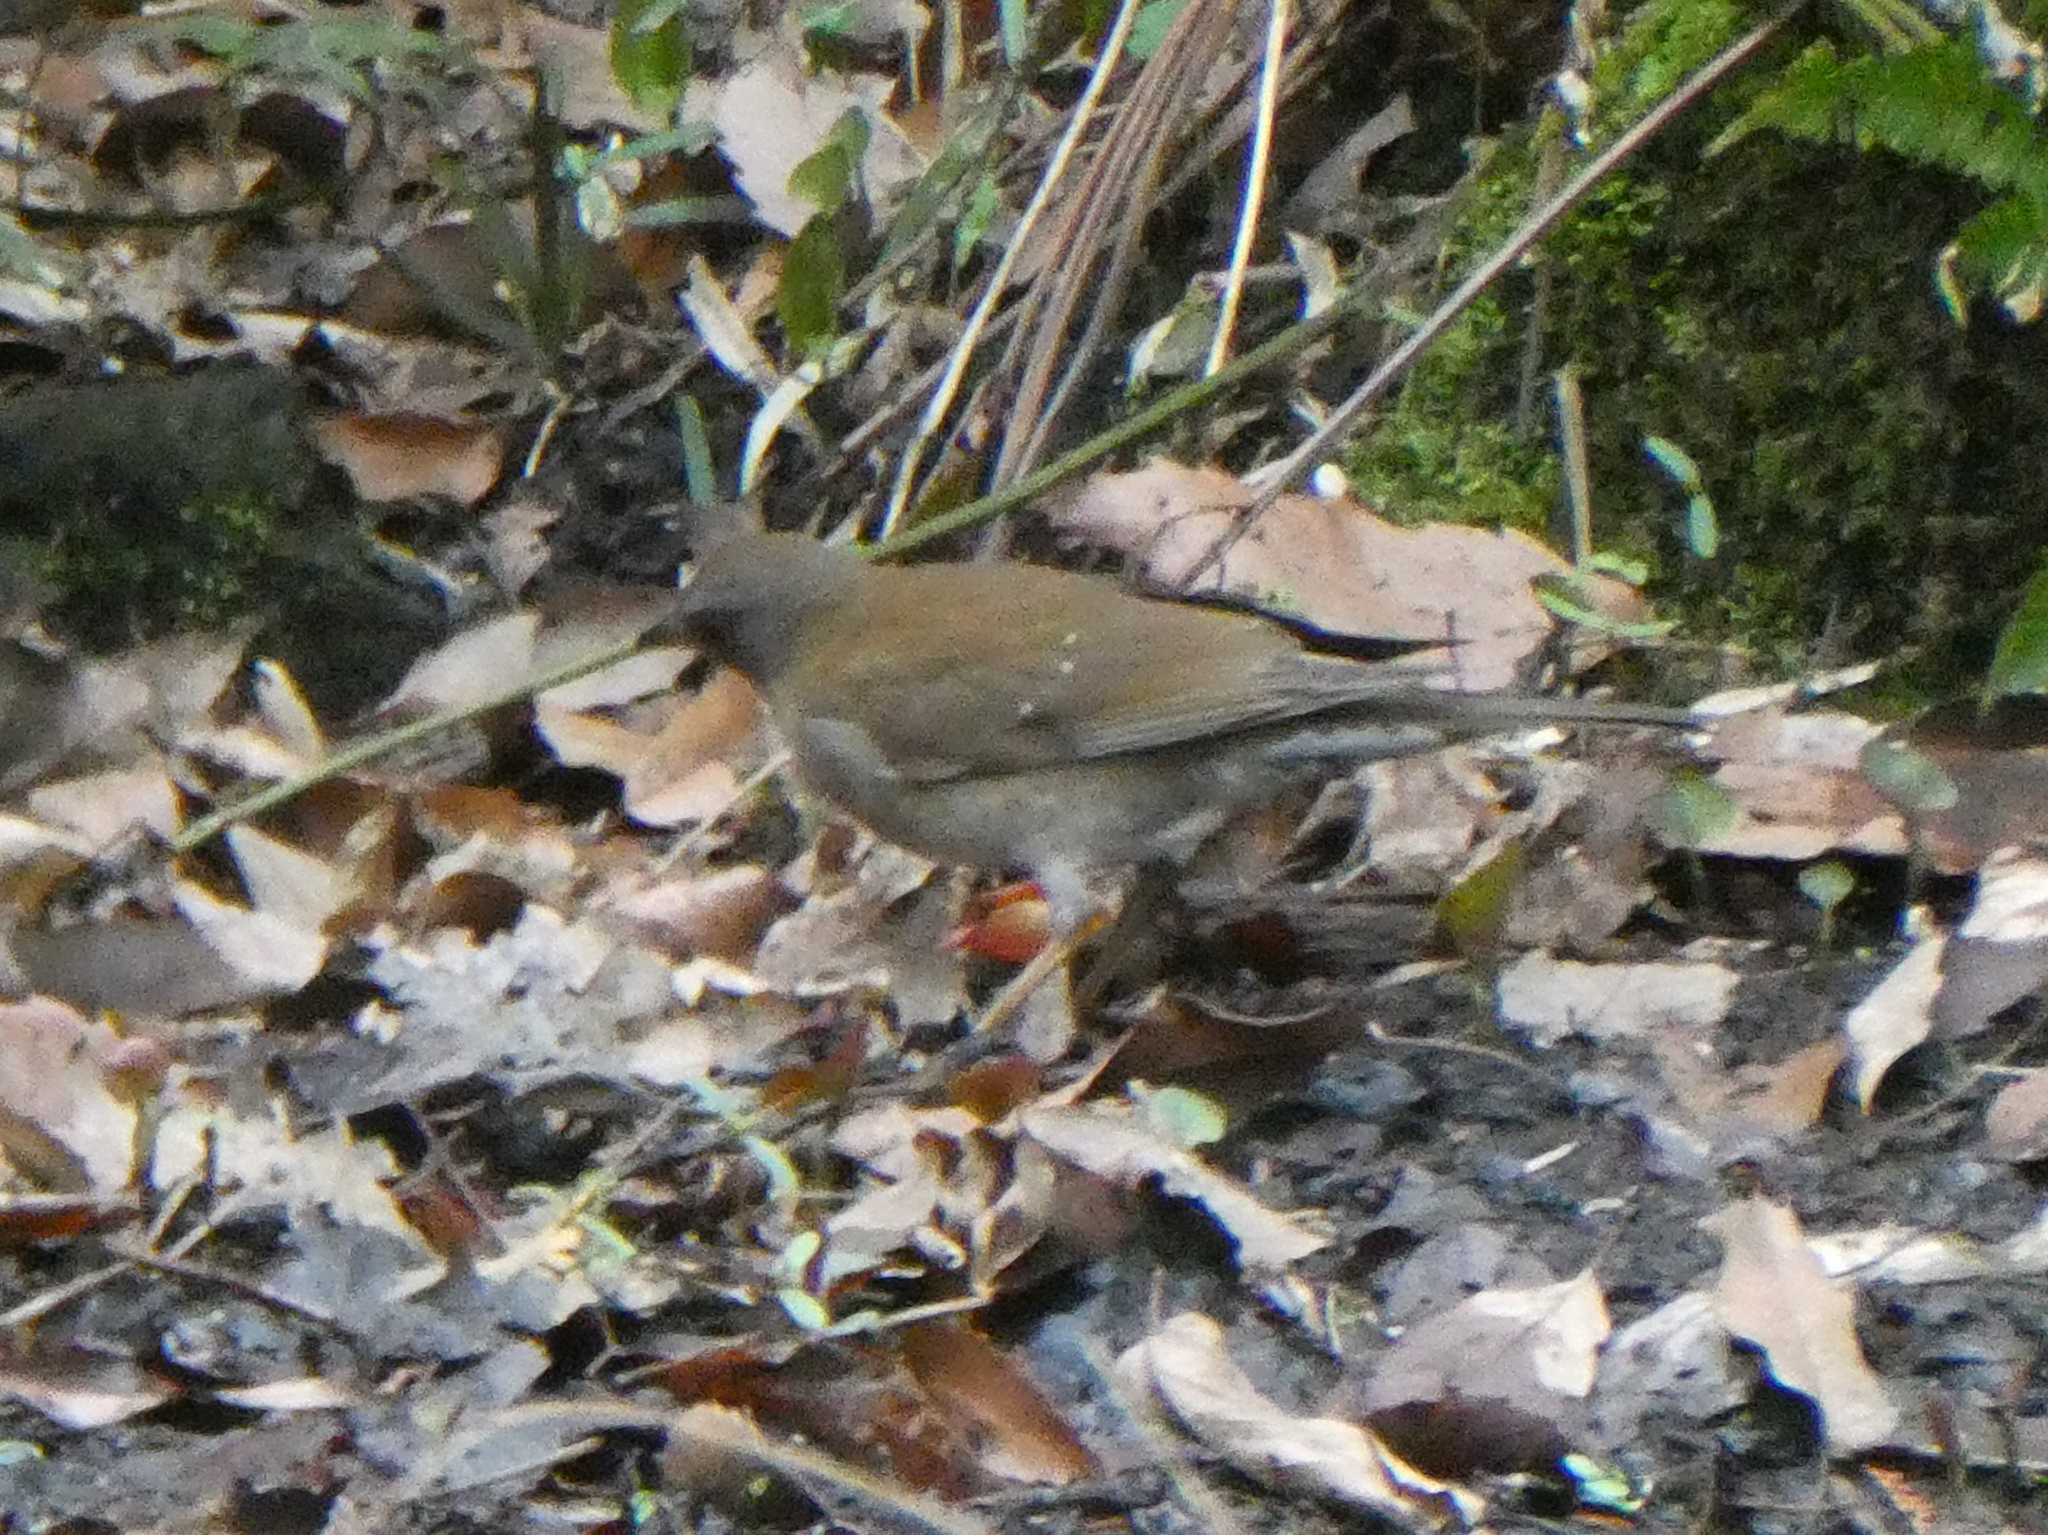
(1773,1293)
(273,955)
(102,806)
(1549,999)
(975,1382)
(284,711)
(1182,1371)
(472,668)
(289,883)
(1894,1017)
(1112,1143)
(1336,565)
(63,1124)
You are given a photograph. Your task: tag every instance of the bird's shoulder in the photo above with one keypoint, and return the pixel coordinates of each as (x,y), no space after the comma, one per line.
(1004,668)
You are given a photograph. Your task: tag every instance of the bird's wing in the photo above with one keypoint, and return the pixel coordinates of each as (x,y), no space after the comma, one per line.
(1285,686)
(1050,682)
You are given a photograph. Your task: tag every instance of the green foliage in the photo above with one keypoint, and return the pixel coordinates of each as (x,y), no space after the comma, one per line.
(1769,307)
(2020,664)
(829,176)
(1149,29)
(650,53)
(813,278)
(343,54)
(1937,107)
(200,567)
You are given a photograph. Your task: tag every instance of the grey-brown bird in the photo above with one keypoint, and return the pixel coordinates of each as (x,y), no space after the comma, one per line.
(1016,716)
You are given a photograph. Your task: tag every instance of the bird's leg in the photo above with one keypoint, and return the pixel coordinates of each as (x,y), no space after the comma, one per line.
(1080,911)
(1019,988)
(1134,949)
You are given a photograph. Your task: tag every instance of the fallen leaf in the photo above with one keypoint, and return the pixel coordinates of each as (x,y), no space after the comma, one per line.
(1897,1014)
(1182,1371)
(1114,1144)
(1337,566)
(1773,1293)
(399,456)
(1551,999)
(1496,1382)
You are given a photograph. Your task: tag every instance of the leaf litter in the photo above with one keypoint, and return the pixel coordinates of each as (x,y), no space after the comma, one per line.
(573,1111)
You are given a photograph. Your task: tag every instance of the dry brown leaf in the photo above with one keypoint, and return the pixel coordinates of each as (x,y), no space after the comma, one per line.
(723,912)
(273,953)
(774,112)
(1998,762)
(1773,1293)
(284,712)
(585,89)
(1897,1015)
(685,774)
(1787,1096)
(469,669)
(1799,789)
(289,882)
(1998,955)
(1336,565)
(101,807)
(2016,1124)
(80,1390)
(975,1382)
(63,1123)
(871,934)
(1549,999)
(399,456)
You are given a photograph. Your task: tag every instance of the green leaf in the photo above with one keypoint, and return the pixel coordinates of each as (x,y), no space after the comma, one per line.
(1693,811)
(831,20)
(650,53)
(700,473)
(804,1309)
(1181,1115)
(1702,528)
(966,151)
(1013,23)
(1149,29)
(1560,595)
(688,138)
(1620,566)
(976,216)
(829,175)
(813,277)
(711,208)
(1936,106)
(1826,884)
(1910,779)
(1473,912)
(598,211)
(785,1183)
(2020,664)
(1603,1487)
(1674,461)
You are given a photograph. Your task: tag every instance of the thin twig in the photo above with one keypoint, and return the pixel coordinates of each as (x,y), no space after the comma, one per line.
(371,747)
(1257,159)
(963,351)
(1293,468)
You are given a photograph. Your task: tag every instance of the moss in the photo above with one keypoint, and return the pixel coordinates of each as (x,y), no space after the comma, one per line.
(1772,310)
(156,500)
(202,566)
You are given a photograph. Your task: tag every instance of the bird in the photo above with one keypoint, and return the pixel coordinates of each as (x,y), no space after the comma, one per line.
(1013,716)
